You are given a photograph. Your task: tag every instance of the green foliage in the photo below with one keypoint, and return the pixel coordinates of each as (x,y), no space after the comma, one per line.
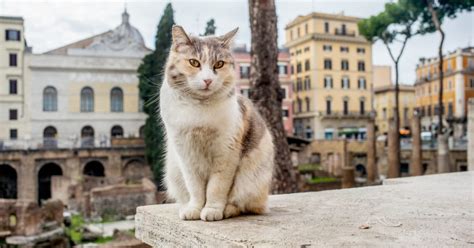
(308,167)
(103,240)
(322,180)
(210,27)
(150,76)
(74,231)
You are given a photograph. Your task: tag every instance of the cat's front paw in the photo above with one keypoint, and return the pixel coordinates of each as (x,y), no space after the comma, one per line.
(212,214)
(189,213)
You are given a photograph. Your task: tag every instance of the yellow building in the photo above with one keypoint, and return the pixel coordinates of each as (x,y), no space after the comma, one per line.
(12,47)
(384,104)
(332,74)
(458,86)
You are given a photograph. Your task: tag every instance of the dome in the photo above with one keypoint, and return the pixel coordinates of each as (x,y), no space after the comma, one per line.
(125,37)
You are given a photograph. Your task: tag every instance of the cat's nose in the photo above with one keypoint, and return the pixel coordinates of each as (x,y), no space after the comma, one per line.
(207,81)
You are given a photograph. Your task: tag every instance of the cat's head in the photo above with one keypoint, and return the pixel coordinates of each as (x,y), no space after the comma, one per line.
(201,67)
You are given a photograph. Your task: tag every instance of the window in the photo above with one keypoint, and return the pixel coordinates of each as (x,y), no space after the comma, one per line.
(344,49)
(361,84)
(308,104)
(344,65)
(299,103)
(50,99)
(116,100)
(283,93)
(405,113)
(428,110)
(285,112)
(50,137)
(291,34)
(384,113)
(327,64)
(292,69)
(87,136)
(298,32)
(244,71)
(361,66)
(298,68)
(343,29)
(328,82)
(12,35)
(450,109)
(13,134)
(326,27)
(299,86)
(362,106)
(245,92)
(306,49)
(282,69)
(87,100)
(306,65)
(327,48)
(13,114)
(307,83)
(471,82)
(13,86)
(328,106)
(116,131)
(360,50)
(345,105)
(345,83)
(13,60)
(306,28)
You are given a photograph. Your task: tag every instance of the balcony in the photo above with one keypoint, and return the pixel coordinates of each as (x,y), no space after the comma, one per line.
(344,32)
(344,115)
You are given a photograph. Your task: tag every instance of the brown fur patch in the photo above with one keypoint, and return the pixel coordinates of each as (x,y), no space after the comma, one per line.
(254,126)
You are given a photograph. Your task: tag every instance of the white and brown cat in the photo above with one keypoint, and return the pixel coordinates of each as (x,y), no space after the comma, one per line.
(219,156)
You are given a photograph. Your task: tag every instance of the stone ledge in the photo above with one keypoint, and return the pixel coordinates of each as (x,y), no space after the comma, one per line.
(417,211)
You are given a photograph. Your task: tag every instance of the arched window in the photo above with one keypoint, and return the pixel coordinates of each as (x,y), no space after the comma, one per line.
(141,132)
(50,99)
(116,100)
(49,137)
(87,136)
(117,131)
(87,100)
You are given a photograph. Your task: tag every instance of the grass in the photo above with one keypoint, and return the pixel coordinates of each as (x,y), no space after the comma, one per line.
(103,240)
(309,167)
(75,230)
(322,180)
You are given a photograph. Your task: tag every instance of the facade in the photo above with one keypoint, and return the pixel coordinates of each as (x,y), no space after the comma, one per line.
(332,74)
(12,82)
(242,67)
(384,105)
(84,93)
(458,87)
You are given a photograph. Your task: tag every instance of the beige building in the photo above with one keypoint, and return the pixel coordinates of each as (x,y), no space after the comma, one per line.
(12,50)
(384,104)
(332,73)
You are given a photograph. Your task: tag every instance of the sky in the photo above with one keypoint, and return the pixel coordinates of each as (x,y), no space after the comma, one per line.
(54,23)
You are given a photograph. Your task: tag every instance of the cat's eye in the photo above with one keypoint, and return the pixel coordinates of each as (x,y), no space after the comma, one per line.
(194,63)
(219,64)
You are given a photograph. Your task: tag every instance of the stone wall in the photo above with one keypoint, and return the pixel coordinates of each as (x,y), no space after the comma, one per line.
(122,199)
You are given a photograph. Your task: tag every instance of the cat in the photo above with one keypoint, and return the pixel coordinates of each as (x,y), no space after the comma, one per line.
(219,154)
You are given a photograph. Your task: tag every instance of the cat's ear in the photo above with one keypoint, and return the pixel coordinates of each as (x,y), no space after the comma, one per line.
(227,39)
(179,36)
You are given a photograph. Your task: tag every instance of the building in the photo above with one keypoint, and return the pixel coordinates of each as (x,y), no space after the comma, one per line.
(331,66)
(384,105)
(81,94)
(458,86)
(12,81)
(242,67)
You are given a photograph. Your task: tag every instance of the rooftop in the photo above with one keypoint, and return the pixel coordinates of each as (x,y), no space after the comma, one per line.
(431,210)
(340,17)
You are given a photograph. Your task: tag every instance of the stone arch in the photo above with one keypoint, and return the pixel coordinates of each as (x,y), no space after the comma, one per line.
(135,170)
(94,168)
(45,173)
(8,182)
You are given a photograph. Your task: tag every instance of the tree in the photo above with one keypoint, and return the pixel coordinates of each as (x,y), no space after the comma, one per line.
(266,91)
(210,27)
(394,24)
(433,14)
(150,76)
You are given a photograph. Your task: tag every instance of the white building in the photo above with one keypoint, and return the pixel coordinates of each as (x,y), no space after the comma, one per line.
(83,93)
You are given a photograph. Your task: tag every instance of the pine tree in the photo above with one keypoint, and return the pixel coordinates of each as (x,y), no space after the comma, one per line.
(210,27)
(150,76)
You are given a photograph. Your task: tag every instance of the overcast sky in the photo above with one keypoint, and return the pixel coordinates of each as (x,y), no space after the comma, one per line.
(54,23)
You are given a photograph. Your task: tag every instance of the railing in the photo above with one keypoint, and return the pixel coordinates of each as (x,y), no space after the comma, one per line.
(65,143)
(342,114)
(344,32)
(456,144)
